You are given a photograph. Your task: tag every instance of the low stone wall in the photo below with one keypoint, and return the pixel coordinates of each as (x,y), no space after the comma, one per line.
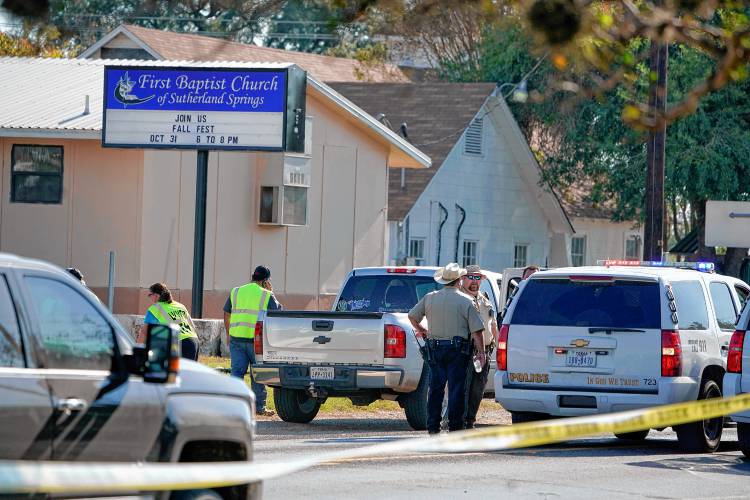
(212,338)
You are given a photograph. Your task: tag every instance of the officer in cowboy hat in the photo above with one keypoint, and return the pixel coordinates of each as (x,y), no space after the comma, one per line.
(476,381)
(452,321)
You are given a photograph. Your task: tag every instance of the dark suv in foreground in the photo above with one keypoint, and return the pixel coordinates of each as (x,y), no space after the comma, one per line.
(73,386)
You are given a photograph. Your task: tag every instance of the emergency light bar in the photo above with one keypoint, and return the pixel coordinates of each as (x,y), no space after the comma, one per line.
(706,267)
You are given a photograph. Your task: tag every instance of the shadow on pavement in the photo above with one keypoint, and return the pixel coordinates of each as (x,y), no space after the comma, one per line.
(329,426)
(717,464)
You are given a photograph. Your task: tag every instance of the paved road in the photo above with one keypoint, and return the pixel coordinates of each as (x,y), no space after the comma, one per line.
(590,468)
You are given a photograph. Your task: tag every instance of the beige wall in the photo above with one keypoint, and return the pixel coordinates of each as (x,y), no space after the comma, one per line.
(605,239)
(100,211)
(346,217)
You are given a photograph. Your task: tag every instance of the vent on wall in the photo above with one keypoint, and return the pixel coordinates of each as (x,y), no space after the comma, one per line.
(473,138)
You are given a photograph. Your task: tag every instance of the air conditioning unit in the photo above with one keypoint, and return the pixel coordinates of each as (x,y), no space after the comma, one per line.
(283,200)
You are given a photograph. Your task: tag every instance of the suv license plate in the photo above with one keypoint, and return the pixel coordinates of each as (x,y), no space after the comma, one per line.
(321,372)
(581,359)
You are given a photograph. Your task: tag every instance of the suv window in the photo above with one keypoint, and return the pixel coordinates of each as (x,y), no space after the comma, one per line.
(743,294)
(384,293)
(691,305)
(615,304)
(486,288)
(72,332)
(726,314)
(11,352)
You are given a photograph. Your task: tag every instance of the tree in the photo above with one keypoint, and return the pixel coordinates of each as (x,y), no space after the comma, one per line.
(313,26)
(31,41)
(86,20)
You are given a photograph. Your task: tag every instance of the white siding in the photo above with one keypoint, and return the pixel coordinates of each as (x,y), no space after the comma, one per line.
(605,239)
(501,210)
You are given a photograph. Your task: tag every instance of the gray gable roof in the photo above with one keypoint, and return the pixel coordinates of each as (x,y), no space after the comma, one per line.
(435,113)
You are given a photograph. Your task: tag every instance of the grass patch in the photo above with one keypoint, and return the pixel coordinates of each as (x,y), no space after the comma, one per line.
(332,405)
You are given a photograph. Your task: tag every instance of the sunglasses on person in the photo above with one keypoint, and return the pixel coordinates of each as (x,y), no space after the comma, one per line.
(474,277)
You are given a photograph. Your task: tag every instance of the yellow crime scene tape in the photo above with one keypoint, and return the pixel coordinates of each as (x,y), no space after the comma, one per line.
(81,477)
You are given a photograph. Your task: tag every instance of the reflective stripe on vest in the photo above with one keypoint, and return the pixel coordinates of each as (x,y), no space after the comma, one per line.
(174,312)
(248,303)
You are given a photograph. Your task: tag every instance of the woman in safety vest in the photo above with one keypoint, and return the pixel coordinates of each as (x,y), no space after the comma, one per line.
(165,310)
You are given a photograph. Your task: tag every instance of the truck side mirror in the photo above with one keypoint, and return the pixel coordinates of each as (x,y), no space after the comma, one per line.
(162,354)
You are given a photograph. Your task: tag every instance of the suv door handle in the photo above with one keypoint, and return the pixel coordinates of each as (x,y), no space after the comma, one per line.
(68,406)
(724,347)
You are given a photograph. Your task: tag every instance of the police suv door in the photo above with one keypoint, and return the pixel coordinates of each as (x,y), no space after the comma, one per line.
(25,403)
(101,413)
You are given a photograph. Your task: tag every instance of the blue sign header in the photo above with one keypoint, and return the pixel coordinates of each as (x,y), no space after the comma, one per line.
(186,89)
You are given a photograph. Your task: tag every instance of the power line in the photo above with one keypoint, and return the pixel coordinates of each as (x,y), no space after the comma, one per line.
(490,108)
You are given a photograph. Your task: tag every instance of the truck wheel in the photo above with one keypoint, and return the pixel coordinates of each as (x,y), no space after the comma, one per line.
(522,417)
(195,495)
(743,436)
(703,436)
(295,405)
(632,436)
(415,403)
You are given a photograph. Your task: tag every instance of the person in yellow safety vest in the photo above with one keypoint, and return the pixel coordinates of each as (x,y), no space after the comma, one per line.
(244,308)
(165,310)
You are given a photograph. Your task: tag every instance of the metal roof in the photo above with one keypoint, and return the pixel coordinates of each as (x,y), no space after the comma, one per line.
(50,94)
(47,98)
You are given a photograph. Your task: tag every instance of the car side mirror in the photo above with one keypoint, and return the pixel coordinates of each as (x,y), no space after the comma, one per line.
(162,360)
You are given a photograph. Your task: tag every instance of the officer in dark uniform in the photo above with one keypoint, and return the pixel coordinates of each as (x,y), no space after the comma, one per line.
(452,320)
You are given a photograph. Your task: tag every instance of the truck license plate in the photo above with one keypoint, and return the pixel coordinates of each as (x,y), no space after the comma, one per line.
(581,359)
(321,372)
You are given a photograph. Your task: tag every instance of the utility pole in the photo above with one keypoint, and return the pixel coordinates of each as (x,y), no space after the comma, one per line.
(654,228)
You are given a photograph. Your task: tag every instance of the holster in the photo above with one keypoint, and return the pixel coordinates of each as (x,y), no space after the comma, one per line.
(424,351)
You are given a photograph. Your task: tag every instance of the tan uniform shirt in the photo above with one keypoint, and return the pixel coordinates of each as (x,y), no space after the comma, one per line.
(449,313)
(487,312)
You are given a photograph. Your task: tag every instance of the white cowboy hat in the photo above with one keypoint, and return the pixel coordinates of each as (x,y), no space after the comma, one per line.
(449,273)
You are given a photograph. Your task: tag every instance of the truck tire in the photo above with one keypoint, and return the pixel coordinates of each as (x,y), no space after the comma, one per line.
(195,495)
(295,405)
(415,403)
(632,436)
(743,436)
(703,436)
(522,417)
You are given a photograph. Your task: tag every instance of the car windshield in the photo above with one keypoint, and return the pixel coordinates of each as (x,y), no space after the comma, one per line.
(611,304)
(384,293)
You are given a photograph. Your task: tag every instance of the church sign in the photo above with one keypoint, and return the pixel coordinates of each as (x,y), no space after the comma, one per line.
(211,108)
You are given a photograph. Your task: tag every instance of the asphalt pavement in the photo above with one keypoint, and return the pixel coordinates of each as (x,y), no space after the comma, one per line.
(587,468)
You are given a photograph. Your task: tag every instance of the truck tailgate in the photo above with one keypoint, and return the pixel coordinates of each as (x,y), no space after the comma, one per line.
(323,337)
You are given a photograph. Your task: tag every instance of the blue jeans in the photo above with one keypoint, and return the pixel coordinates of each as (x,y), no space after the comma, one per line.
(447,364)
(242,354)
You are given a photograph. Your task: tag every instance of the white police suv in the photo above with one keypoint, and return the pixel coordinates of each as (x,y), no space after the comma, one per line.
(615,337)
(737,378)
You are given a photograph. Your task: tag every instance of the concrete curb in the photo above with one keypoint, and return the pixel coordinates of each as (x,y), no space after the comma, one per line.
(212,338)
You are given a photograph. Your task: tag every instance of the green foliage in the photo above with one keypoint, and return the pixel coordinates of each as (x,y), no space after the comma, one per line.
(312,26)
(585,142)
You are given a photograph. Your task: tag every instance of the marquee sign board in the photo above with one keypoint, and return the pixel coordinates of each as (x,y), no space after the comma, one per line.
(204,108)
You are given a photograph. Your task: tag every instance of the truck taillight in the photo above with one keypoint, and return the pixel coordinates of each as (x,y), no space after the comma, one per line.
(258,339)
(501,354)
(734,359)
(394,343)
(671,354)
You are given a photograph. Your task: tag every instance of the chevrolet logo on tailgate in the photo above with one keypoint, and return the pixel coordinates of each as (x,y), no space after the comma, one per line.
(580,343)
(321,339)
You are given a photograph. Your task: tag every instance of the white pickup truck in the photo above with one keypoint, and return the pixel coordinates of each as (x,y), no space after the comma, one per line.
(365,349)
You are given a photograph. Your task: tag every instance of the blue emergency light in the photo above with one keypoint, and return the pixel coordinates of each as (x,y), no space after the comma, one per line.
(706,267)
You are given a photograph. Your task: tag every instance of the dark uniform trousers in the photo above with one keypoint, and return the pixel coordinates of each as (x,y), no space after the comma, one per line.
(475,385)
(448,362)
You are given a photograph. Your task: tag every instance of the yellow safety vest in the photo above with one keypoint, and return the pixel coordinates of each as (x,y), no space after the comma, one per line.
(174,312)
(248,301)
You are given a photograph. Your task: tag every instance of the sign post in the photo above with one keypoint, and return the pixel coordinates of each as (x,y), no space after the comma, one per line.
(204,108)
